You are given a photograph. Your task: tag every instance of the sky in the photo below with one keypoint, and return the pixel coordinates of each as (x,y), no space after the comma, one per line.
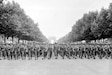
(56,17)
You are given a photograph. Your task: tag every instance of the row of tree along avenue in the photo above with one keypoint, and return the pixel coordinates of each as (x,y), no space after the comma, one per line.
(15,23)
(92,26)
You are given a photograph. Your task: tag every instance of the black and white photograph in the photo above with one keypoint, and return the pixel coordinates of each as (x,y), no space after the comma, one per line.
(55,37)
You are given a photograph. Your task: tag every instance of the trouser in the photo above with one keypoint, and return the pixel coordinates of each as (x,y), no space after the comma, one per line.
(49,54)
(0,55)
(66,53)
(45,54)
(55,54)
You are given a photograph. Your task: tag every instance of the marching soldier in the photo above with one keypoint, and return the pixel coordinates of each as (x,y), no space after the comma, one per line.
(55,51)
(93,51)
(36,49)
(81,52)
(1,52)
(45,53)
(74,52)
(61,52)
(67,53)
(110,51)
(49,52)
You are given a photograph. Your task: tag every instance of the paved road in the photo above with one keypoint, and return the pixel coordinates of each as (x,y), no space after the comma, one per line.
(56,67)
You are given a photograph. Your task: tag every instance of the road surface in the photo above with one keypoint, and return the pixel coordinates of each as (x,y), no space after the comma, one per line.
(56,67)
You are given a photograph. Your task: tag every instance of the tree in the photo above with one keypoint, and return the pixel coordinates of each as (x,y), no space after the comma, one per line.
(15,23)
(92,26)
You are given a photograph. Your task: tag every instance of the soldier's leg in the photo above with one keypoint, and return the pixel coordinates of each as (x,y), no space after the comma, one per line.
(93,51)
(8,54)
(111,55)
(75,54)
(5,54)
(67,54)
(62,54)
(11,55)
(17,54)
(45,54)
(49,54)
(29,55)
(0,55)
(80,54)
(35,54)
(106,56)
(56,54)
(22,55)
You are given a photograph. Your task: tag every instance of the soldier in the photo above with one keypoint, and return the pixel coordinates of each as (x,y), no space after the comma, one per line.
(16,49)
(97,52)
(21,52)
(93,51)
(106,51)
(71,51)
(10,50)
(61,52)
(24,52)
(49,52)
(86,52)
(77,52)
(1,52)
(110,51)
(32,52)
(6,53)
(36,52)
(42,50)
(74,52)
(55,51)
(80,52)
(18,53)
(67,53)
(13,52)
(101,51)
(29,53)
(45,53)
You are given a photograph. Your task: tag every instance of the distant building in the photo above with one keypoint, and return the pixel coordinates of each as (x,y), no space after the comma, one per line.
(52,39)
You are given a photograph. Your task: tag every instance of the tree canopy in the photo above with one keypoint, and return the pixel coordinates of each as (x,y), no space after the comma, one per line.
(93,25)
(15,23)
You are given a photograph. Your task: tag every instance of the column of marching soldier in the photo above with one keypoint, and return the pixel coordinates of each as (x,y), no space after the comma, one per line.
(55,51)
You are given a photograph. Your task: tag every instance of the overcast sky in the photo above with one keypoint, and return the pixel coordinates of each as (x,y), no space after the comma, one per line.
(56,17)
